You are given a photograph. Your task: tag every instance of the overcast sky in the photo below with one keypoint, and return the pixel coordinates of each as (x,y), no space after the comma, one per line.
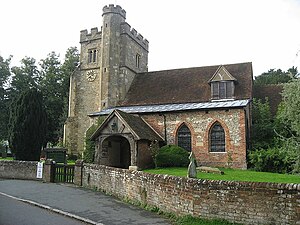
(182,34)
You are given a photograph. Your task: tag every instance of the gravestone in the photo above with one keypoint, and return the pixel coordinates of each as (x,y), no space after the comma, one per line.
(192,172)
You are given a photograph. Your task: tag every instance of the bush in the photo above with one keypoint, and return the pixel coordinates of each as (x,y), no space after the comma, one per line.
(270,160)
(172,156)
(89,151)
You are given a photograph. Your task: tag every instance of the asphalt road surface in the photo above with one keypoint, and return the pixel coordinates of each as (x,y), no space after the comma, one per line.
(14,212)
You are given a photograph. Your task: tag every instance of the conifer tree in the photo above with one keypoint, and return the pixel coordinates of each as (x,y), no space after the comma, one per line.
(27,126)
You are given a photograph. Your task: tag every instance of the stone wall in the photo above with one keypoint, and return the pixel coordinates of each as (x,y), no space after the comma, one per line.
(116,46)
(242,202)
(200,123)
(25,170)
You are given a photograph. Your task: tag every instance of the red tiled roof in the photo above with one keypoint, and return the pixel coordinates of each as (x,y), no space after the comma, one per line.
(185,85)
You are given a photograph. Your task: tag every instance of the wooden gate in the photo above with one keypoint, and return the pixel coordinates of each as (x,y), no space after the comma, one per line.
(64,173)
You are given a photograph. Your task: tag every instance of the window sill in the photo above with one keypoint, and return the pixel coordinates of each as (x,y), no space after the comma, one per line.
(223,100)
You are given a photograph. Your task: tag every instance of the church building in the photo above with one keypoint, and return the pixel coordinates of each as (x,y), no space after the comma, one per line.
(204,109)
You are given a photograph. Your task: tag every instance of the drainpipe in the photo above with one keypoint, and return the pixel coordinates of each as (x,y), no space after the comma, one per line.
(165,127)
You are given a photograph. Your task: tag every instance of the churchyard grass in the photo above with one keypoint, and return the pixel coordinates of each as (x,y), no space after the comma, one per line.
(231,175)
(6,158)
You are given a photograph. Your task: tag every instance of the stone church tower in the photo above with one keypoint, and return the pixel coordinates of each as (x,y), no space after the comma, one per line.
(109,60)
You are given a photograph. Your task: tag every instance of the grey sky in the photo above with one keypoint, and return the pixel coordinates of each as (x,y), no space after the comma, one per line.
(182,34)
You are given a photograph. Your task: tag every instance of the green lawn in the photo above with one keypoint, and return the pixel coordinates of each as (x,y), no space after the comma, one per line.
(232,175)
(7,158)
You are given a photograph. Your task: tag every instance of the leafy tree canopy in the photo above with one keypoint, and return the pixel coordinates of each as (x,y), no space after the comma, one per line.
(4,103)
(49,76)
(276,76)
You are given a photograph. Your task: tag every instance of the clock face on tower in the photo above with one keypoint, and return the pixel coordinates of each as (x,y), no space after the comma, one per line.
(91,75)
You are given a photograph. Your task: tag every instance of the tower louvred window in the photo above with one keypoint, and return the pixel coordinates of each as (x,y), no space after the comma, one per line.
(92,55)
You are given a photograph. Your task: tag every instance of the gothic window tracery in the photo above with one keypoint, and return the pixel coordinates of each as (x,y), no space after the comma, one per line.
(184,139)
(217,138)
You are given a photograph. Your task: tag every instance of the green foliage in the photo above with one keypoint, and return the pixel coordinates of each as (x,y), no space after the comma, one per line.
(190,220)
(89,151)
(291,102)
(276,76)
(288,124)
(52,78)
(54,83)
(263,127)
(270,160)
(27,126)
(23,78)
(53,98)
(4,103)
(172,155)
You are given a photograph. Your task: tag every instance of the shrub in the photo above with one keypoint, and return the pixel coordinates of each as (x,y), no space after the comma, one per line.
(89,151)
(172,156)
(27,126)
(270,160)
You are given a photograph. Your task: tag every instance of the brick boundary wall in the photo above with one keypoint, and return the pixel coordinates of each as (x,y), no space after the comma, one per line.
(24,170)
(242,202)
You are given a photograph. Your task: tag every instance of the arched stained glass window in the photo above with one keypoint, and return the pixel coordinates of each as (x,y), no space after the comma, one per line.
(184,139)
(217,138)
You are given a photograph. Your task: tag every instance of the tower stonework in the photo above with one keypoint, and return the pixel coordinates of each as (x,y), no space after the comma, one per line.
(109,60)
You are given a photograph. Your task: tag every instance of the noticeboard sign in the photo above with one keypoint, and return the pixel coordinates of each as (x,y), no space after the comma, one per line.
(57,154)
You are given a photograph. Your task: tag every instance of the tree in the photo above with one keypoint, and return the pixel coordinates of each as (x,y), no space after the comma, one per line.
(68,67)
(24,77)
(4,103)
(50,84)
(27,126)
(291,102)
(276,76)
(263,127)
(54,84)
(289,118)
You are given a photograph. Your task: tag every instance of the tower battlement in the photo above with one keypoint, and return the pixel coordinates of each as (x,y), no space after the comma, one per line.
(93,35)
(126,29)
(114,9)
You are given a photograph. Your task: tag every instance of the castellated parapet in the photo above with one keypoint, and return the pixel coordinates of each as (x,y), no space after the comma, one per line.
(114,9)
(126,29)
(93,35)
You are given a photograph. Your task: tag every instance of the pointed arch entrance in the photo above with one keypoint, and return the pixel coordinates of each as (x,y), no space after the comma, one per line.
(116,149)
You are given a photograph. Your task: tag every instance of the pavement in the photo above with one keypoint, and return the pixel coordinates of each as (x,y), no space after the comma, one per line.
(83,204)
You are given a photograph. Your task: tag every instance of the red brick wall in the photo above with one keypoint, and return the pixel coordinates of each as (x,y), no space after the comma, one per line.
(199,123)
(144,158)
(242,202)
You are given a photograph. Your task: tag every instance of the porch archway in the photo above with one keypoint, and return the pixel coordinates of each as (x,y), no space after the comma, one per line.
(117,151)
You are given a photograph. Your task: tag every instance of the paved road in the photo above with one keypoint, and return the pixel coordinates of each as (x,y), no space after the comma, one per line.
(14,212)
(81,202)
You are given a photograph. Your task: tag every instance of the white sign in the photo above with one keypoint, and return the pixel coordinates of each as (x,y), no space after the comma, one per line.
(39,171)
